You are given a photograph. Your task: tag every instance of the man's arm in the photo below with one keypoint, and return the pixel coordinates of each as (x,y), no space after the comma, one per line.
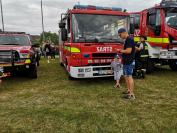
(126,51)
(138,49)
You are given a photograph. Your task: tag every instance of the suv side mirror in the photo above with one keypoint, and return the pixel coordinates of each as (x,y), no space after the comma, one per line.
(157,30)
(62,25)
(64,34)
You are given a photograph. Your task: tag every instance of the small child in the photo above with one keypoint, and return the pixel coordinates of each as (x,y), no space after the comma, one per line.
(117,68)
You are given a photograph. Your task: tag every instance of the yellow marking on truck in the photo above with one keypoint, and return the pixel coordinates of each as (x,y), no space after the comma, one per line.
(137,39)
(153,40)
(158,40)
(72,49)
(75,50)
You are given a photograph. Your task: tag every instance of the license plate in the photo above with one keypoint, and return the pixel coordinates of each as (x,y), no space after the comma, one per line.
(105,72)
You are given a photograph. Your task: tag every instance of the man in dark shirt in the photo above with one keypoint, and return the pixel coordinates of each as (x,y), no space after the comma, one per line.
(128,59)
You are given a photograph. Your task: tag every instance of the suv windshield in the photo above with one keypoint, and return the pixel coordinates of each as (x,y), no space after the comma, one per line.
(98,28)
(171,17)
(14,40)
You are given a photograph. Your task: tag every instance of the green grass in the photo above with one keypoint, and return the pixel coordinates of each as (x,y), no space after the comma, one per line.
(54,104)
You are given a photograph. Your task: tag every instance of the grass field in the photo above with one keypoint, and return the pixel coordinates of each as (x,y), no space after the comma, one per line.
(54,104)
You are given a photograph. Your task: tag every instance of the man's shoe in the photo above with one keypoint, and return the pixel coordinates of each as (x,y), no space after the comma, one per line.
(129,97)
(126,92)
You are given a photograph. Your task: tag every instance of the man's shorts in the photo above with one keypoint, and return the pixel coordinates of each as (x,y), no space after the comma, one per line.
(128,69)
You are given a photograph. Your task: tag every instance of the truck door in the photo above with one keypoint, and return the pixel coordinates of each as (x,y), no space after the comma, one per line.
(154,28)
(61,47)
(67,44)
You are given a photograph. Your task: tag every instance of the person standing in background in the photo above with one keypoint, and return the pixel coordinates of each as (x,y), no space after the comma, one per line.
(47,50)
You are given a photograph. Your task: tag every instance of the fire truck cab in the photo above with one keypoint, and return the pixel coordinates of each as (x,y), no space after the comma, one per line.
(159,25)
(88,39)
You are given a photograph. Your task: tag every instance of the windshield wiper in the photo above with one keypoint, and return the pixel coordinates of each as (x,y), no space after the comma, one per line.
(173,26)
(84,39)
(110,40)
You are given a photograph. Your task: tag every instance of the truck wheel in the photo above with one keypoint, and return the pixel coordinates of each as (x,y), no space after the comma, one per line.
(71,78)
(38,64)
(61,64)
(32,71)
(150,66)
(173,65)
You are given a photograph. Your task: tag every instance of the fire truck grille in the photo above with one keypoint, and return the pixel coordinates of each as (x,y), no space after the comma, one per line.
(103,55)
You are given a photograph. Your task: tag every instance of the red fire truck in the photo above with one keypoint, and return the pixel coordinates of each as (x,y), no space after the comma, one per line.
(88,39)
(159,25)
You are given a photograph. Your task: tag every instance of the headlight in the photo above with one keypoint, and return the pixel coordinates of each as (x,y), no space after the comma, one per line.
(80,70)
(88,70)
(163,53)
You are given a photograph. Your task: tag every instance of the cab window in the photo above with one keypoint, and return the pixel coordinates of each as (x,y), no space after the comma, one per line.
(134,22)
(153,18)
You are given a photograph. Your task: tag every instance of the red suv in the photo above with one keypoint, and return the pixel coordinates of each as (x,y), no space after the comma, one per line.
(17,53)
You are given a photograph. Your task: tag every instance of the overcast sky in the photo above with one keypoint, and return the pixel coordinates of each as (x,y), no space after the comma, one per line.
(24,15)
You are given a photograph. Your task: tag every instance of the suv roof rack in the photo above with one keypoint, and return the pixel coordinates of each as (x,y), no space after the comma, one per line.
(11,32)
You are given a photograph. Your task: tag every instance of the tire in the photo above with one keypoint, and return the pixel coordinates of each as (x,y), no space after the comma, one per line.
(150,66)
(38,64)
(61,64)
(71,78)
(173,65)
(32,71)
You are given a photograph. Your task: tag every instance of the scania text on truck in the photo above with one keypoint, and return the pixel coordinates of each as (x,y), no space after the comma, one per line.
(89,40)
(159,25)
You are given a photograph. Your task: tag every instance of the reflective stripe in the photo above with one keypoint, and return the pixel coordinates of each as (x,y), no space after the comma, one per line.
(144,55)
(153,40)
(75,50)
(158,40)
(72,49)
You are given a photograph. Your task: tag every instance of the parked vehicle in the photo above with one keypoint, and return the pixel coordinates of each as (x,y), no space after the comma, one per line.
(88,39)
(17,53)
(159,24)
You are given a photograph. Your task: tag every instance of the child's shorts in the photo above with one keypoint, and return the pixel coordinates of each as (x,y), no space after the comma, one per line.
(117,75)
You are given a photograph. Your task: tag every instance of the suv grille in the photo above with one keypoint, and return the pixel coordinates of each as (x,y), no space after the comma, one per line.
(9,56)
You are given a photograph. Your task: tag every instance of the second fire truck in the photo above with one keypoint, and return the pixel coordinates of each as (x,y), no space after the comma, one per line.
(159,25)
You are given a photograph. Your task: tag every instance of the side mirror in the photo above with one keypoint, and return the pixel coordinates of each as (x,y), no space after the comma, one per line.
(62,25)
(157,30)
(64,34)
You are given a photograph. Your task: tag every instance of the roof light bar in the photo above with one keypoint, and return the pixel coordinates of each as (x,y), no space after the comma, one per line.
(97,7)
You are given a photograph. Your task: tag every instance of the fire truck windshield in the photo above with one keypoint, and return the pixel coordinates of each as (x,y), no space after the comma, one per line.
(171,17)
(14,40)
(98,28)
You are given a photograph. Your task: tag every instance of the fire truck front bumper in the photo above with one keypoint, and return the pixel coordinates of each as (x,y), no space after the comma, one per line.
(168,54)
(90,71)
